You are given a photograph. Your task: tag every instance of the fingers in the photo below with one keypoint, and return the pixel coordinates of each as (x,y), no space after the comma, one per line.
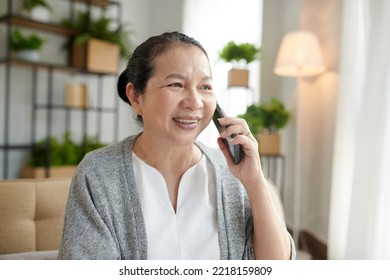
(231,121)
(235,127)
(237,132)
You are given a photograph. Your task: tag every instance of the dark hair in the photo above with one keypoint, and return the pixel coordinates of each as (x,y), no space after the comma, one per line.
(140,66)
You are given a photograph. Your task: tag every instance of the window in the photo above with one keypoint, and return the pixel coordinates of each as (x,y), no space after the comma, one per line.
(215,22)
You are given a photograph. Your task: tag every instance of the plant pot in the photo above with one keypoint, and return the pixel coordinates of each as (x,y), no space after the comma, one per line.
(269,143)
(40,14)
(238,77)
(76,95)
(30,55)
(96,56)
(54,172)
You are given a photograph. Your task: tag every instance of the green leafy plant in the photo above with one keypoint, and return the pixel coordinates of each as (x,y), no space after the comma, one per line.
(29,5)
(233,52)
(19,41)
(268,117)
(100,29)
(62,153)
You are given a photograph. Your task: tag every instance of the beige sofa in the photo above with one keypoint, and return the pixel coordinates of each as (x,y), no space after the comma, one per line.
(31,217)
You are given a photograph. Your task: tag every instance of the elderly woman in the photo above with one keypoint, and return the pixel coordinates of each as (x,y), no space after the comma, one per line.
(161,194)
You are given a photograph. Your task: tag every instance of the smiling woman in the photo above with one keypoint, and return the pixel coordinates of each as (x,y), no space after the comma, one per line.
(161,194)
(181,92)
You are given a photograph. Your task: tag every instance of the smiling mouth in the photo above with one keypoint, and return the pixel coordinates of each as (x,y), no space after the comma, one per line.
(185,121)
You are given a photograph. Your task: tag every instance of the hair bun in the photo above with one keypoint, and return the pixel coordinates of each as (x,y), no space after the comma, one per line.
(121,86)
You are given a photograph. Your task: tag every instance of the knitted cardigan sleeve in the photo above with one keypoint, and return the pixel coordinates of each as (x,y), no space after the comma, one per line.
(103,217)
(85,234)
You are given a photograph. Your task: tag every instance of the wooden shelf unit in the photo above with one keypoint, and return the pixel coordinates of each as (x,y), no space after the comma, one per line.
(10,19)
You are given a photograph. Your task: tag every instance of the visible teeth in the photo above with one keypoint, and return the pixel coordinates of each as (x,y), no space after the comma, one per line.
(186,121)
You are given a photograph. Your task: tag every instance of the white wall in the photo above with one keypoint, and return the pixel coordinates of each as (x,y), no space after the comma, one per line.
(279,17)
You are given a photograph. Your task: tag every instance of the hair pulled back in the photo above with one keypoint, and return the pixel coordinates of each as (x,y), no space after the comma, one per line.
(140,66)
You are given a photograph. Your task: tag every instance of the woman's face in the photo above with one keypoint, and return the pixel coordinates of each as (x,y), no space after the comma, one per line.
(179,100)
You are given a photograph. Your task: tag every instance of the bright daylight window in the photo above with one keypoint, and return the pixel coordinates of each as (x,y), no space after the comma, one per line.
(214,23)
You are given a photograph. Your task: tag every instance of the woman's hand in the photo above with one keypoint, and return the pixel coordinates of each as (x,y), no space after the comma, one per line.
(270,238)
(248,171)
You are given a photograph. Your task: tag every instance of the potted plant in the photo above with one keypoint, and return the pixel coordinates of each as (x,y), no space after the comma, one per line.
(98,47)
(26,46)
(37,9)
(63,156)
(265,121)
(239,55)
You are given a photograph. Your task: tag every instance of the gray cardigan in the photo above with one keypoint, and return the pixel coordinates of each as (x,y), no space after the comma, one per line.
(104,218)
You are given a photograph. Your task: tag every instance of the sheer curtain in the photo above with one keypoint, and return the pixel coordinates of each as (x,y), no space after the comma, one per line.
(213,23)
(359,226)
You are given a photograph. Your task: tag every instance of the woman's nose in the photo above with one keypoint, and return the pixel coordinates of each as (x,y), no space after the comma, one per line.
(193,100)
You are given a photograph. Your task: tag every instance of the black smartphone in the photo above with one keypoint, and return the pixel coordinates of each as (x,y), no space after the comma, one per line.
(235,150)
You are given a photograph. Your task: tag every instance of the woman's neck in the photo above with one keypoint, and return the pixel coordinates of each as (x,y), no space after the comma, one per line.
(166,159)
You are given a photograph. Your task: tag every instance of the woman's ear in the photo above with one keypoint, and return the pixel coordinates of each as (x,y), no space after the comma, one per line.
(134,98)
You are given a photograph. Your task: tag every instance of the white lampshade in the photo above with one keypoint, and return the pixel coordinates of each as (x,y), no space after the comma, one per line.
(299,55)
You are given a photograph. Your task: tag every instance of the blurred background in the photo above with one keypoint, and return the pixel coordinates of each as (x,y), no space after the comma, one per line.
(330,78)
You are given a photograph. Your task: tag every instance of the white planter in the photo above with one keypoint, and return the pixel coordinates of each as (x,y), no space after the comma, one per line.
(30,55)
(40,14)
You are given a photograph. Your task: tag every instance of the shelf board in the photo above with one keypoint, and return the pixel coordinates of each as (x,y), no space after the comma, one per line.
(54,66)
(100,3)
(26,63)
(38,25)
(64,107)
(16,147)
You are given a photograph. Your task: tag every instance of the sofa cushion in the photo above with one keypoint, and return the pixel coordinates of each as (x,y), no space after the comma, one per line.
(32,214)
(50,213)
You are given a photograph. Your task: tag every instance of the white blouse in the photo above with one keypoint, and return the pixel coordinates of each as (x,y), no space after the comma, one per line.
(191,232)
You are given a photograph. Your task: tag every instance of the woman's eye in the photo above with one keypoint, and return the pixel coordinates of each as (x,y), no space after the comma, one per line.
(176,85)
(206,87)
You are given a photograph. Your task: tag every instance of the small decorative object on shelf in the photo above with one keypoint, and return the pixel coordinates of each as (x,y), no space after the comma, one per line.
(98,48)
(239,55)
(37,9)
(76,95)
(26,47)
(264,121)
